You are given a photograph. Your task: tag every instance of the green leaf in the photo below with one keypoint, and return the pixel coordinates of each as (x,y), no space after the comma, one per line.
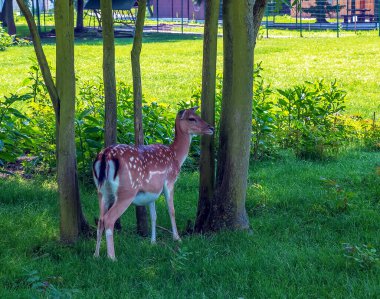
(93,143)
(17,113)
(92,130)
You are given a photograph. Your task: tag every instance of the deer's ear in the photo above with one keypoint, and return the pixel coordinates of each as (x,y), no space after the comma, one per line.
(194,108)
(181,114)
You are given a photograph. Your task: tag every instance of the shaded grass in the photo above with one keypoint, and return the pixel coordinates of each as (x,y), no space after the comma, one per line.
(295,249)
(171,65)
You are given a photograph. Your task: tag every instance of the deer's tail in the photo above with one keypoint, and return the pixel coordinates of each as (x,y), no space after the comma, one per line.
(105,168)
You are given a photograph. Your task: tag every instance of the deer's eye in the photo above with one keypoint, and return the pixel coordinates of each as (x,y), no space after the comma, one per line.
(192,119)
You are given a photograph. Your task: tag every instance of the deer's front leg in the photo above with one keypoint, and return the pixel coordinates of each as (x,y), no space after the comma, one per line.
(169,196)
(123,200)
(153,219)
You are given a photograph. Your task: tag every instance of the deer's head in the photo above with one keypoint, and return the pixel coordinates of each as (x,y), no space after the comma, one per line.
(190,123)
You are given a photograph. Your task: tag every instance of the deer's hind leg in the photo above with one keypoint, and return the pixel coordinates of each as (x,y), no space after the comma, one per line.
(123,200)
(99,232)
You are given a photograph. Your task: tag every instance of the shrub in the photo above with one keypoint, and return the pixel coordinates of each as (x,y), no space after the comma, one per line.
(371,134)
(14,135)
(5,39)
(311,113)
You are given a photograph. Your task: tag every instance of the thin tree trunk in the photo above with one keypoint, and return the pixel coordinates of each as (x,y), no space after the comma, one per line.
(149,5)
(109,78)
(67,176)
(228,209)
(80,6)
(141,215)
(109,73)
(41,58)
(258,13)
(2,14)
(9,18)
(207,159)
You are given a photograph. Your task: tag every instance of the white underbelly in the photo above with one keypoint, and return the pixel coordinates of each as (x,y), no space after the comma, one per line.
(145,198)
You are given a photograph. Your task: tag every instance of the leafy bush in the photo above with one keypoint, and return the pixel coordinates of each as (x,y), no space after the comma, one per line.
(311,116)
(14,136)
(371,134)
(306,118)
(33,132)
(5,39)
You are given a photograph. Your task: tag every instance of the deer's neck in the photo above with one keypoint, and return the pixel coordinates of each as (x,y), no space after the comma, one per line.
(181,144)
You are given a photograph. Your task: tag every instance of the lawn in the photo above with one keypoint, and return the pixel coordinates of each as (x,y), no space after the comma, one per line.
(296,248)
(314,224)
(171,65)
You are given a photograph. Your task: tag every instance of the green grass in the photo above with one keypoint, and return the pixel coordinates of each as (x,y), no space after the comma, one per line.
(295,250)
(171,65)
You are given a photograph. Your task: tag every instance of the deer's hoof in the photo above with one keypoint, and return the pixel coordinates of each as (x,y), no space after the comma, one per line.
(112,258)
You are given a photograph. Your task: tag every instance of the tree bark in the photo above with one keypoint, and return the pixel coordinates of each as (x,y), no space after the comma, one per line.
(67,175)
(207,159)
(109,80)
(258,13)
(141,214)
(2,14)
(80,6)
(228,208)
(149,5)
(9,18)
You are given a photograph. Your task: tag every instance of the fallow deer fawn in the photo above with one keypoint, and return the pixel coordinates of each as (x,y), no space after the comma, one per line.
(127,174)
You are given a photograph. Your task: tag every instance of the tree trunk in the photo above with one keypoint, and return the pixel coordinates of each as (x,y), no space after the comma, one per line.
(2,14)
(141,215)
(150,9)
(80,6)
(258,13)
(109,78)
(109,73)
(207,159)
(67,176)
(9,18)
(228,208)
